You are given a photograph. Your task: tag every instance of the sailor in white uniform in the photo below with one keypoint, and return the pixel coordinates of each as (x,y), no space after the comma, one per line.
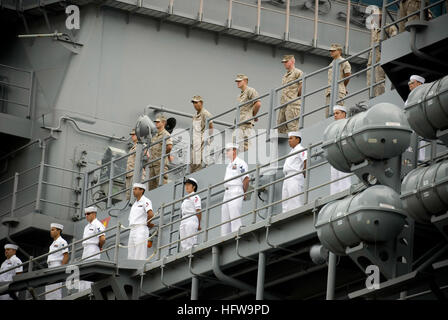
(339,112)
(10,262)
(294,164)
(92,245)
(139,221)
(414,82)
(235,187)
(191,208)
(56,259)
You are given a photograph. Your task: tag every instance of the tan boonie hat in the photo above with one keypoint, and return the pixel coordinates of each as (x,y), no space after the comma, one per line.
(160,117)
(335,46)
(240,77)
(132,132)
(196,99)
(287,57)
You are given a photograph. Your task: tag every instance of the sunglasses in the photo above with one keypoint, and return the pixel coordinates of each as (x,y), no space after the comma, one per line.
(88,213)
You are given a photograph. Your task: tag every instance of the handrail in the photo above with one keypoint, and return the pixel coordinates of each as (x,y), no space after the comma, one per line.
(305,77)
(39,182)
(419,12)
(145,149)
(207,190)
(60,249)
(67,118)
(73,244)
(183,114)
(120,231)
(252,211)
(268,113)
(29,89)
(257,187)
(299,16)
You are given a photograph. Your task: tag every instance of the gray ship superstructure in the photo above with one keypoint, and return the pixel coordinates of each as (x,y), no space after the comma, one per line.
(69,99)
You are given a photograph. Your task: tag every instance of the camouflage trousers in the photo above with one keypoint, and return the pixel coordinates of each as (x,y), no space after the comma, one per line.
(287,113)
(242,136)
(195,167)
(196,156)
(379,75)
(406,8)
(154,172)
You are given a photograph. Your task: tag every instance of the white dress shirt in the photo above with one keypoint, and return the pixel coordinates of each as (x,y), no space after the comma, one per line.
(57,257)
(90,229)
(190,205)
(9,263)
(235,168)
(294,164)
(138,214)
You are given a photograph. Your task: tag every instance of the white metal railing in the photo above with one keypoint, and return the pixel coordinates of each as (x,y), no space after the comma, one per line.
(270,113)
(234,112)
(6,87)
(422,14)
(313,150)
(254,10)
(164,212)
(31,196)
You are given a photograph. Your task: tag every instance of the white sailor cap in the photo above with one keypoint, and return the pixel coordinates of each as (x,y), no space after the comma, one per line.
(90,209)
(57,225)
(191,179)
(194,182)
(139,185)
(231,146)
(295,134)
(11,246)
(338,107)
(417,78)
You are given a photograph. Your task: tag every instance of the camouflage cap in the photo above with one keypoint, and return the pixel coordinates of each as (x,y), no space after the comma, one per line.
(287,57)
(196,99)
(335,46)
(240,77)
(160,117)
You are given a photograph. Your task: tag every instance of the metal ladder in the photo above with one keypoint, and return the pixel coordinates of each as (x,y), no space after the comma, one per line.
(175,215)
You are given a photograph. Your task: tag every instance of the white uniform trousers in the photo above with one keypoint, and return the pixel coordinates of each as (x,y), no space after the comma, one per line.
(291,187)
(188,227)
(231,209)
(138,242)
(196,155)
(340,185)
(57,294)
(89,249)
